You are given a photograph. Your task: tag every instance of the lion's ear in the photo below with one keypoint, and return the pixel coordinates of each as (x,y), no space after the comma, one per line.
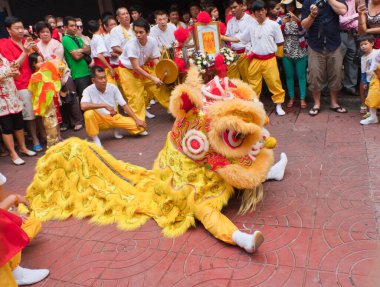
(187,96)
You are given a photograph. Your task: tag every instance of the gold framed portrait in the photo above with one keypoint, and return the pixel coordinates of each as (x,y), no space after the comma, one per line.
(207,38)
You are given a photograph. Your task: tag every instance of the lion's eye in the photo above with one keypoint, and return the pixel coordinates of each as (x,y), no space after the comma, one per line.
(233,139)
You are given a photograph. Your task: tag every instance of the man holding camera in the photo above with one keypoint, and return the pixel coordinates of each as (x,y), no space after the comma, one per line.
(321,19)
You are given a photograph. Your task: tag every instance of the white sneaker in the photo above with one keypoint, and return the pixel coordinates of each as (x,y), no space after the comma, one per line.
(152,102)
(24,276)
(149,115)
(144,133)
(97,141)
(369,120)
(3,179)
(279,110)
(117,134)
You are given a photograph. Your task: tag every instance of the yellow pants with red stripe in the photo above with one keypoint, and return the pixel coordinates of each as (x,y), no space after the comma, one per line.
(137,90)
(31,227)
(95,122)
(239,70)
(267,70)
(110,79)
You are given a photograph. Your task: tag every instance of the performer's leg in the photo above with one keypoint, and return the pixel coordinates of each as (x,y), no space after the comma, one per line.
(133,90)
(243,65)
(277,171)
(32,227)
(233,70)
(161,94)
(272,79)
(222,228)
(95,122)
(110,79)
(254,77)
(126,123)
(6,276)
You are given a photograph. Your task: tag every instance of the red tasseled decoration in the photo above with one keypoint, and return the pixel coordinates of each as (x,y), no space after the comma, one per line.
(222,28)
(187,105)
(204,17)
(181,35)
(220,67)
(181,64)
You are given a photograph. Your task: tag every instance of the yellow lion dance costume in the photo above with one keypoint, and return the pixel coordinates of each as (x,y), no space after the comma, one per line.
(217,144)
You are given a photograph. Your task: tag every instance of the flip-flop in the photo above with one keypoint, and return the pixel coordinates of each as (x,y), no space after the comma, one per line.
(314,111)
(37,148)
(339,110)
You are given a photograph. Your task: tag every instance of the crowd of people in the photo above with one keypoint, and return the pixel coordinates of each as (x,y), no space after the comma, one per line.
(56,78)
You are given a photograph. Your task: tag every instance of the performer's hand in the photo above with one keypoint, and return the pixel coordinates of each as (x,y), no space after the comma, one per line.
(313,10)
(140,124)
(113,74)
(157,81)
(111,110)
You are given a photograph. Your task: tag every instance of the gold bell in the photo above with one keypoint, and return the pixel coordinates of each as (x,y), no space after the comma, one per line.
(270,142)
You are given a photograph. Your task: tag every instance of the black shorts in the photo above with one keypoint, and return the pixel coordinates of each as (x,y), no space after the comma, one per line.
(11,123)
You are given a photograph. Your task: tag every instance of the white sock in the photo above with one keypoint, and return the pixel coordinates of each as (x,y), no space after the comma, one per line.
(3,179)
(277,171)
(117,134)
(97,141)
(279,110)
(149,115)
(249,242)
(24,276)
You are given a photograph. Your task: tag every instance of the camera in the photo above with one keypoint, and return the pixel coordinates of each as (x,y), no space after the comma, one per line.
(320,3)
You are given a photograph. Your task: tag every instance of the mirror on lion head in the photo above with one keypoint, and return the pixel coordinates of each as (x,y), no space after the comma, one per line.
(221,125)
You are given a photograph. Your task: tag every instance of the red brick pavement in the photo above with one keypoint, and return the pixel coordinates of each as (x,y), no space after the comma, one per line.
(320,223)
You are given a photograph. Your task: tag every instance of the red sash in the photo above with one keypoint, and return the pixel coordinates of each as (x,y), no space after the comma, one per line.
(261,57)
(12,238)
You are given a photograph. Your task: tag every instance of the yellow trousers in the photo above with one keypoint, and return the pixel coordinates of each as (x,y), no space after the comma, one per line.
(95,122)
(110,79)
(216,223)
(239,70)
(373,98)
(137,89)
(267,69)
(31,227)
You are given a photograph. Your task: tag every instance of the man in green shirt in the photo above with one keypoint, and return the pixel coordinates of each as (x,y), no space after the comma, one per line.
(75,53)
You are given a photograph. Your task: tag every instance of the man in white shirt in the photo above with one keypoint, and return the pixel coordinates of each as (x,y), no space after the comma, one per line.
(235,28)
(163,31)
(121,34)
(264,36)
(99,51)
(99,103)
(174,18)
(137,75)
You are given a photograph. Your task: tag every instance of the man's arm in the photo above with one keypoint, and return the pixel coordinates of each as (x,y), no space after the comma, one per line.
(308,21)
(229,39)
(129,112)
(338,7)
(140,71)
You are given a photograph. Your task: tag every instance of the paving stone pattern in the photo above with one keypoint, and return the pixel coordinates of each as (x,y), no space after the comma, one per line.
(320,223)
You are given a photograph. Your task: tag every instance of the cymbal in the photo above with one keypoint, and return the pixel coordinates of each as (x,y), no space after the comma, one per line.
(167,71)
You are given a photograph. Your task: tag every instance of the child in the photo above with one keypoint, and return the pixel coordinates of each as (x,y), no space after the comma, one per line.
(373,98)
(45,97)
(366,43)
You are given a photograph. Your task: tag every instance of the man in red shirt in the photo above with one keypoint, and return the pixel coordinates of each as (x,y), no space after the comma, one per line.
(16,49)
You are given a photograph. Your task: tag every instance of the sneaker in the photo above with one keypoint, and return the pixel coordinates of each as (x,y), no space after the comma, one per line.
(24,276)
(117,134)
(144,133)
(149,115)
(3,179)
(369,120)
(152,102)
(279,110)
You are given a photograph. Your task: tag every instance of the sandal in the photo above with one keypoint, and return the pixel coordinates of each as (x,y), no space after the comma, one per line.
(78,128)
(290,103)
(314,111)
(363,109)
(37,148)
(303,104)
(339,110)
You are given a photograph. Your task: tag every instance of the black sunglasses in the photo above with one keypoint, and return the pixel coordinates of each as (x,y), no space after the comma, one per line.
(79,26)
